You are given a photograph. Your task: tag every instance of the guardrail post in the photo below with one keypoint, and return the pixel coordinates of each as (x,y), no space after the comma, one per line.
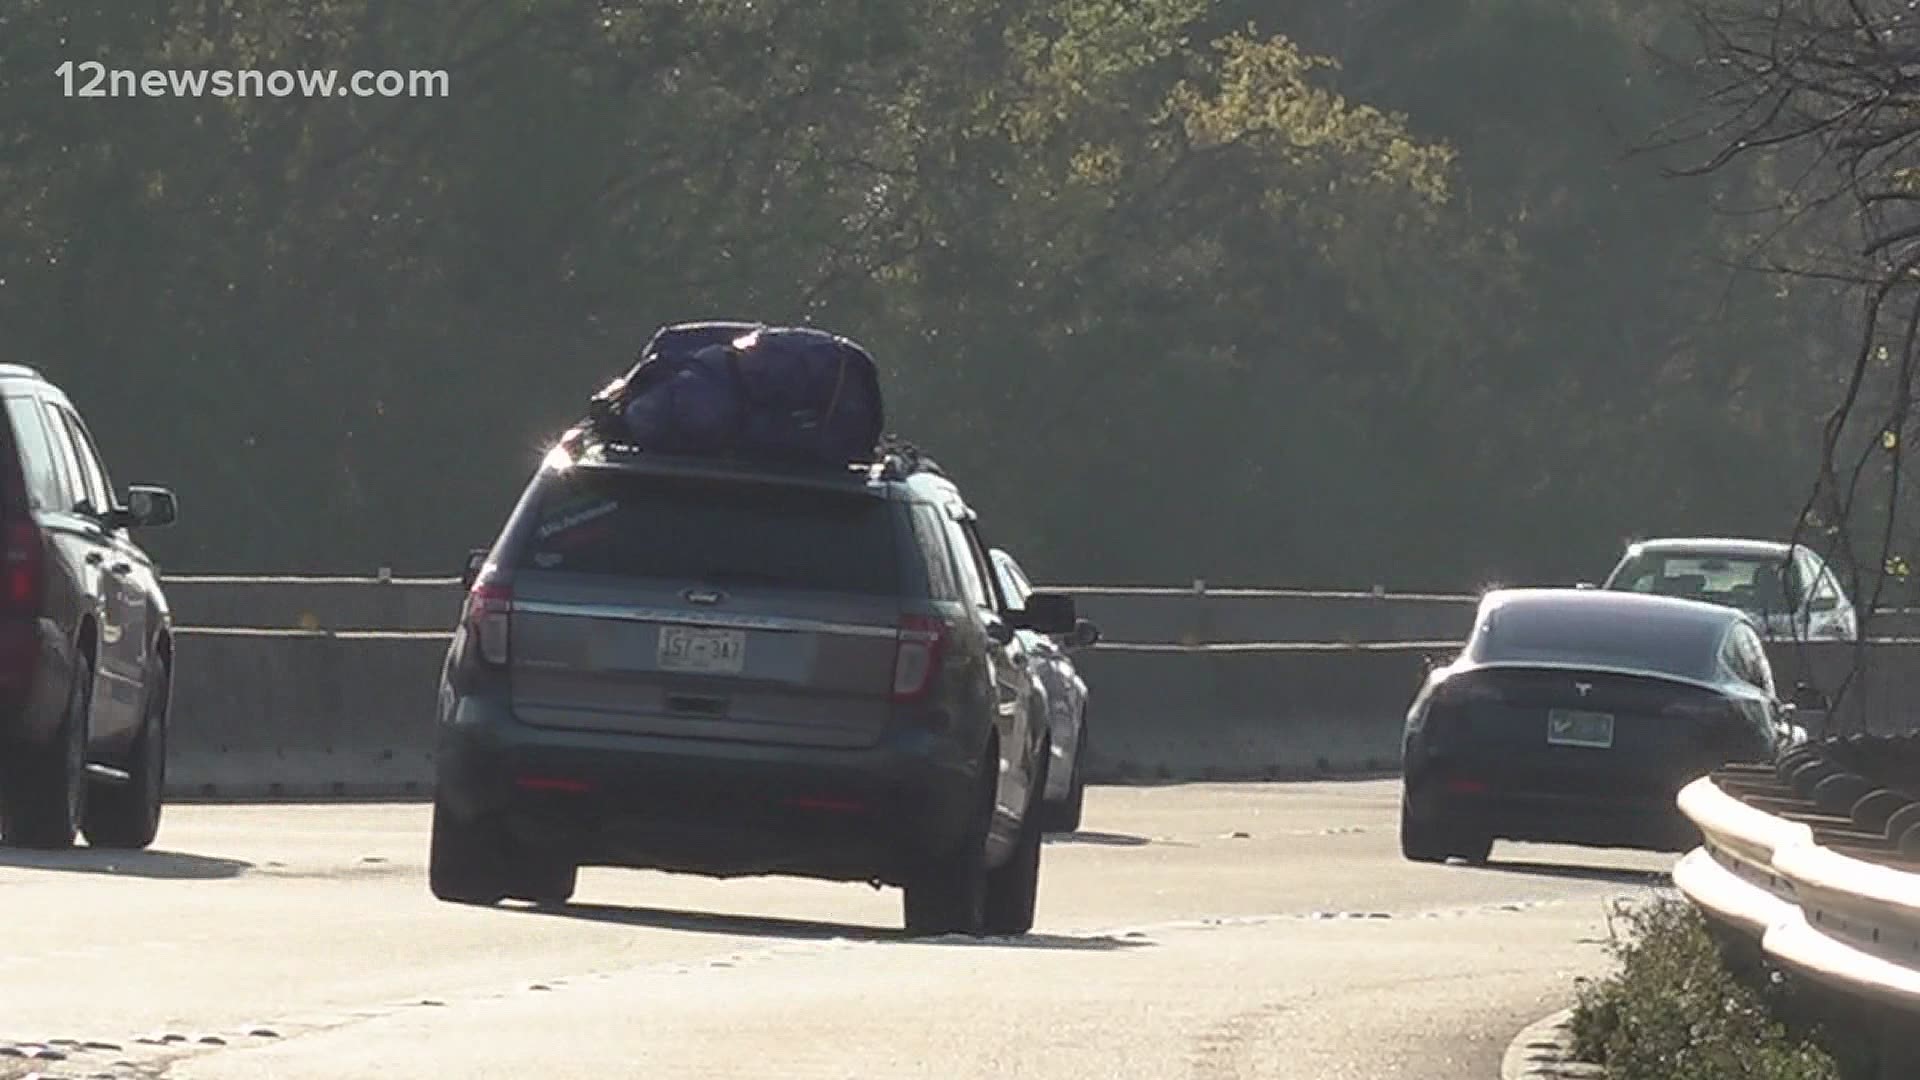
(1200,627)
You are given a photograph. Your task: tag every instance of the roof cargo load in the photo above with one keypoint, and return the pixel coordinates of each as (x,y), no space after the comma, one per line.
(745,391)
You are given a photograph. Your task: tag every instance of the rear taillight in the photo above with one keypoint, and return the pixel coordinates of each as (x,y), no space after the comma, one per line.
(22,577)
(1458,693)
(21,562)
(923,641)
(489,615)
(1717,725)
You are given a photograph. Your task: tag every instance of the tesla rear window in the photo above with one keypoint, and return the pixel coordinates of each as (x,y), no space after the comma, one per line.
(714,533)
(1684,647)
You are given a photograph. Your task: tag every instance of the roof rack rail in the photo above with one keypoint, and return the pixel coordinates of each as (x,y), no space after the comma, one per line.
(894,458)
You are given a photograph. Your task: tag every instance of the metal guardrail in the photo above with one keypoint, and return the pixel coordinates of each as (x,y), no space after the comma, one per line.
(1818,866)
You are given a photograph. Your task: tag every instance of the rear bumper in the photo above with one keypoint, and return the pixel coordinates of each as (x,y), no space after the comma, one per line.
(1610,810)
(723,809)
(1568,819)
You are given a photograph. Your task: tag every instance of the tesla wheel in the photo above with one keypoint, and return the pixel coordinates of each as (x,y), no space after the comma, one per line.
(44,796)
(537,880)
(1426,840)
(128,815)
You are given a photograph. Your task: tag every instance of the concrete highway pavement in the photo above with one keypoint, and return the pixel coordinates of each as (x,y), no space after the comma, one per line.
(1260,930)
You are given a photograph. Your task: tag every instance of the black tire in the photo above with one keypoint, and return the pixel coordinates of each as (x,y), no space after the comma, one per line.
(476,863)
(546,881)
(949,895)
(466,861)
(1066,815)
(44,796)
(1473,848)
(128,815)
(1013,890)
(1422,840)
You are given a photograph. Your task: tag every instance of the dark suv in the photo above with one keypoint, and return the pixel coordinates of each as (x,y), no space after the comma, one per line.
(86,640)
(706,668)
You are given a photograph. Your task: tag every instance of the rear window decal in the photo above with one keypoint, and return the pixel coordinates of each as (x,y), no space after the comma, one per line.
(554,526)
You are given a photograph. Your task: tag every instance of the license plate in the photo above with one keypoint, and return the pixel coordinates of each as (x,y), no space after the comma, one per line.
(701,650)
(1572,727)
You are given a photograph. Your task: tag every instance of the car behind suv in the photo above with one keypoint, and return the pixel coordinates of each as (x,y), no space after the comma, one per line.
(1788,588)
(724,670)
(86,638)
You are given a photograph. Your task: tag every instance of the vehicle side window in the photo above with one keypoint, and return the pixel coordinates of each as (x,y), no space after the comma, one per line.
(1010,585)
(1793,580)
(978,550)
(1022,588)
(68,459)
(1732,658)
(1825,587)
(44,487)
(973,588)
(99,481)
(1761,665)
(1752,655)
(933,551)
(99,489)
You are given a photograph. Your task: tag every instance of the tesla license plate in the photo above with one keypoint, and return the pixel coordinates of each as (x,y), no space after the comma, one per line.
(702,651)
(1572,727)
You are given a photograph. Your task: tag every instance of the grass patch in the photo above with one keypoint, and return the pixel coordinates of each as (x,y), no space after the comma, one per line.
(1688,1005)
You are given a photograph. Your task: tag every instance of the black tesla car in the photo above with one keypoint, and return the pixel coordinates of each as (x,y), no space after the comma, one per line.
(1575,716)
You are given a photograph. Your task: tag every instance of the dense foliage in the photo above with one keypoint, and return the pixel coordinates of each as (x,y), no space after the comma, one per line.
(1295,293)
(1679,1007)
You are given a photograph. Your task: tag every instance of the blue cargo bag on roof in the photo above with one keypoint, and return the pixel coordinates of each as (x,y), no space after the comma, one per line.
(787,394)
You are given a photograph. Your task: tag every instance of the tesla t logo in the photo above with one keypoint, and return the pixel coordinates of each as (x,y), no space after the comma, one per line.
(703,596)
(1584,688)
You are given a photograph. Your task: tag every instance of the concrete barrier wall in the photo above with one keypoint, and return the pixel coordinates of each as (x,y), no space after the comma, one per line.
(1222,714)
(307,714)
(302,714)
(339,603)
(1125,615)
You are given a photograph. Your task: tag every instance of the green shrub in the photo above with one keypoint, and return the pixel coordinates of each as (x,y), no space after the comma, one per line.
(1683,1007)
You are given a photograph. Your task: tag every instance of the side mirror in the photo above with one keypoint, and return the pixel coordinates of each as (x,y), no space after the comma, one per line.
(1048,613)
(1085,635)
(1000,632)
(476,561)
(148,507)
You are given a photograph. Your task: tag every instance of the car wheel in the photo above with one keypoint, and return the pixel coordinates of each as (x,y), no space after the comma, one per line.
(545,881)
(128,815)
(1065,816)
(466,860)
(1425,840)
(950,895)
(1013,890)
(45,794)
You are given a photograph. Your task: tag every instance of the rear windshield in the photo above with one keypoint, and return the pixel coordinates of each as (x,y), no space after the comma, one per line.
(1755,584)
(1688,648)
(712,533)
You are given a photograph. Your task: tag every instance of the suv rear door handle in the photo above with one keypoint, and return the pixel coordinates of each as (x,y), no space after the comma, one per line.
(95,558)
(121,568)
